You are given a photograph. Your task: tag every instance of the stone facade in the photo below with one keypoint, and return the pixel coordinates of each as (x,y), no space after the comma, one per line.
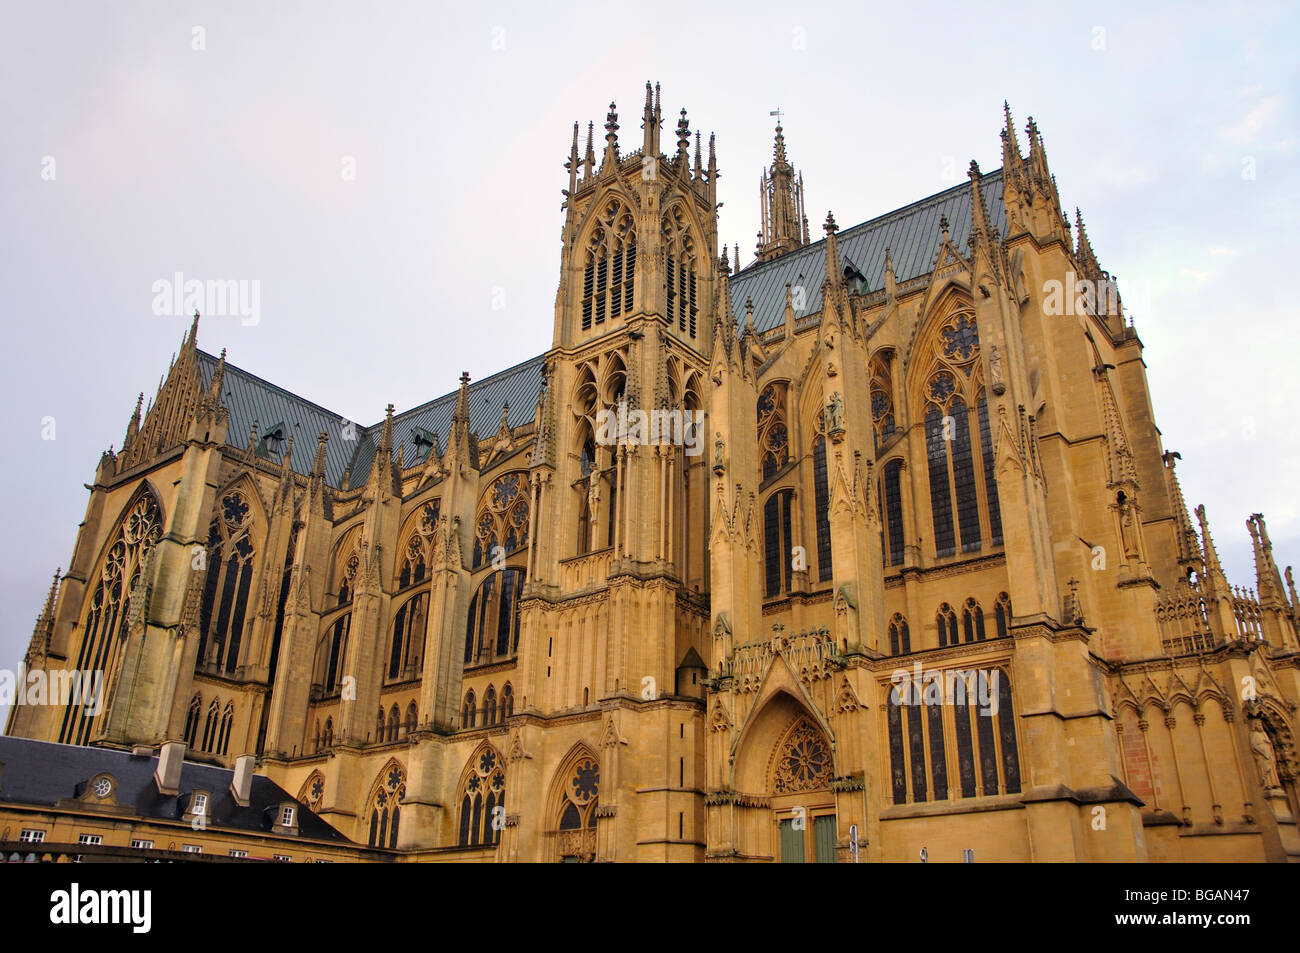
(924,570)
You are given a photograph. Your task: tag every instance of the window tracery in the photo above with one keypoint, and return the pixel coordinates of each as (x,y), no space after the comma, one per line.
(609,277)
(882,400)
(946,619)
(777,543)
(102,642)
(773,432)
(229,577)
(385,805)
(501,525)
(803,762)
(492,626)
(822,500)
(577,825)
(408,636)
(680,246)
(900,638)
(1002,613)
(959,450)
(483,797)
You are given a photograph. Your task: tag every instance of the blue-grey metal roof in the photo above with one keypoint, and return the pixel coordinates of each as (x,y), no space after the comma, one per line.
(519,385)
(249,398)
(43,772)
(910,233)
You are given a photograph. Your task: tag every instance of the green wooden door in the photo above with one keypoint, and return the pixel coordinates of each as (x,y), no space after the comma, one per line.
(824,839)
(791,843)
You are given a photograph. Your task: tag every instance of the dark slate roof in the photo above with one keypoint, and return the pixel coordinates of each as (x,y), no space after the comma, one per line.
(910,233)
(249,398)
(42,772)
(519,385)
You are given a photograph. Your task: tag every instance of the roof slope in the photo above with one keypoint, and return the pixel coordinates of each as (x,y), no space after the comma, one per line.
(910,233)
(43,772)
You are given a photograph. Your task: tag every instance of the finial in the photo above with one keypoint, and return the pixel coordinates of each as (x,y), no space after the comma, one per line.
(318,465)
(683,137)
(252,439)
(830,227)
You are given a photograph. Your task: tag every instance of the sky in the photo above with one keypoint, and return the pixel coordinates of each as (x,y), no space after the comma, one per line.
(390,173)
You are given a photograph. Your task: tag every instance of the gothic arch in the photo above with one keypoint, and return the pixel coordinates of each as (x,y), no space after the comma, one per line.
(768,722)
(480,791)
(416,536)
(312,790)
(105,609)
(572,804)
(382,807)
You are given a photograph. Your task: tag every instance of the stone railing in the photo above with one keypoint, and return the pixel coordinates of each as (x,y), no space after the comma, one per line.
(588,569)
(1184,627)
(807,652)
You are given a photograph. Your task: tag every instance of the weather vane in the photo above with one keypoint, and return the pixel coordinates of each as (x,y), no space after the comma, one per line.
(777,113)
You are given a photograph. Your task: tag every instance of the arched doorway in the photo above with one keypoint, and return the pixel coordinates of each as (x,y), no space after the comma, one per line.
(803,805)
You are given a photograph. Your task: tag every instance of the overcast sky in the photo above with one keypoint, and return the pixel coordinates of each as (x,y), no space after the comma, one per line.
(138,140)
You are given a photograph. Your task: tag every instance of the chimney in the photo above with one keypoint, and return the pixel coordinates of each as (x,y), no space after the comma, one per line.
(168,773)
(241,785)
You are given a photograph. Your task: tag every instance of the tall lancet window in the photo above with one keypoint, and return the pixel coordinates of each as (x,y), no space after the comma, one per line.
(773,434)
(959,450)
(225,592)
(822,499)
(681,280)
(104,630)
(610,272)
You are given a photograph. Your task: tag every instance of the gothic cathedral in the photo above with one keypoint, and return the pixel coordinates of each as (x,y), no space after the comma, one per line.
(899,564)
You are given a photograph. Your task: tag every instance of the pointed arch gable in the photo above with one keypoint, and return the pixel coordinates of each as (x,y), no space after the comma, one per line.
(768,725)
(556,790)
(780,679)
(243,481)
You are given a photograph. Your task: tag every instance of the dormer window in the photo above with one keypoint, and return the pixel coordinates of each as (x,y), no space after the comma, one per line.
(198,809)
(287,816)
(424,442)
(272,443)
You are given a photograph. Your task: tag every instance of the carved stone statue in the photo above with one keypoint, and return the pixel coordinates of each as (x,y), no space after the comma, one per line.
(1265,759)
(719,448)
(835,413)
(995,370)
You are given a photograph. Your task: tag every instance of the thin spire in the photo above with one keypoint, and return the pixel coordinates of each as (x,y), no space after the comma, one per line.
(386,435)
(649,125)
(572,165)
(610,160)
(699,164)
(318,465)
(683,142)
(589,161)
(251,450)
(713,172)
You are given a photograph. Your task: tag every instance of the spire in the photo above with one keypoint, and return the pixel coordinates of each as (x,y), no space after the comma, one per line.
(683,143)
(133,425)
(47,611)
(782,216)
(699,165)
(1213,568)
(1290,588)
(891,280)
(461,414)
(610,160)
(1087,260)
(983,238)
(44,629)
(385,451)
(572,166)
(1011,158)
(544,443)
(1267,578)
(251,450)
(218,375)
(724,266)
(650,128)
(318,465)
(1189,547)
(736,245)
(589,161)
(789,311)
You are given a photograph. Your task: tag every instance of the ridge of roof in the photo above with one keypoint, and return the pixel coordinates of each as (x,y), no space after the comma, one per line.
(272,386)
(759,266)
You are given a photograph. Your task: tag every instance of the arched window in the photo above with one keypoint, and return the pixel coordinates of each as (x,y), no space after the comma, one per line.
(469,710)
(492,627)
(412,718)
(225,590)
(490,706)
(414,561)
(972,617)
(482,798)
(333,653)
(507,702)
(610,272)
(192,721)
(958,443)
(408,636)
(102,642)
(227,723)
(946,619)
(394,723)
(900,639)
(777,543)
(882,400)
(501,526)
(211,725)
(1002,612)
(893,513)
(680,270)
(822,500)
(385,805)
(773,433)
(577,816)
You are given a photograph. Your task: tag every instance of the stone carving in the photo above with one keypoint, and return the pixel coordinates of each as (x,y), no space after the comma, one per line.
(1265,759)
(995,370)
(835,413)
